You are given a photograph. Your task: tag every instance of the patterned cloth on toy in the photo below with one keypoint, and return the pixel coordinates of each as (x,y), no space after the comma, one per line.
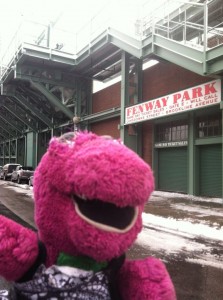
(54,283)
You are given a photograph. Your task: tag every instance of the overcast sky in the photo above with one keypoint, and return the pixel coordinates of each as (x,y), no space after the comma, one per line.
(75,14)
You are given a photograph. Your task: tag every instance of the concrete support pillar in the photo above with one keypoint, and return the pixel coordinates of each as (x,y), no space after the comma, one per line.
(31,149)
(192,168)
(131,134)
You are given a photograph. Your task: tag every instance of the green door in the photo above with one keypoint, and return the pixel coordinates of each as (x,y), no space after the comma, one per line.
(211,171)
(172,169)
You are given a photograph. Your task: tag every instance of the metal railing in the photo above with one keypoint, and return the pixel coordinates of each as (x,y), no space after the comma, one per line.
(186,22)
(189,22)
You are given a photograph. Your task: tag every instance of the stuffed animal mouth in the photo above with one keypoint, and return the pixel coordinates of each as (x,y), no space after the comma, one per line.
(106,216)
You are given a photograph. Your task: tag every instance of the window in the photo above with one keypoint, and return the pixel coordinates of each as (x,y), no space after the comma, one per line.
(172,131)
(209,126)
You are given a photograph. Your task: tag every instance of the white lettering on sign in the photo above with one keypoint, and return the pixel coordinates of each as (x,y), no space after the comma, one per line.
(193,98)
(171,144)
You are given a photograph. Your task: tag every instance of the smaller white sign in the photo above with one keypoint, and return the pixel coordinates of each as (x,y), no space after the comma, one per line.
(171,144)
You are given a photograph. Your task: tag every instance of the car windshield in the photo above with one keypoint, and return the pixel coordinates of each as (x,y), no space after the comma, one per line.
(27,168)
(11,168)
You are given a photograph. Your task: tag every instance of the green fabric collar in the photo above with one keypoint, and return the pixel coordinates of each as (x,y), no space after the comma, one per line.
(80,262)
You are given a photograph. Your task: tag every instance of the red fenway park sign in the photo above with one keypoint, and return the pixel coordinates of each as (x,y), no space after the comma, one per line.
(193,98)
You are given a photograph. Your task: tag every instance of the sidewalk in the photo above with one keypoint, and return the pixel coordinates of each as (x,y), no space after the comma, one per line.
(180,207)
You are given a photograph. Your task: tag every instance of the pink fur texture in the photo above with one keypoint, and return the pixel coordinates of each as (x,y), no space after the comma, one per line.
(81,170)
(146,279)
(18,249)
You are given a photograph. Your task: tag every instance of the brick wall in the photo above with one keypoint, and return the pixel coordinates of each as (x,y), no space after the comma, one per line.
(107,98)
(166,78)
(108,127)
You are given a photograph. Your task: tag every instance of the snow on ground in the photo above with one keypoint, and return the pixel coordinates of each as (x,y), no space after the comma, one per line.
(185,196)
(197,242)
(183,227)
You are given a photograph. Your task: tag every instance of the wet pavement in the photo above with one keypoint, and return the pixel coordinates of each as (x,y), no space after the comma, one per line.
(197,268)
(194,262)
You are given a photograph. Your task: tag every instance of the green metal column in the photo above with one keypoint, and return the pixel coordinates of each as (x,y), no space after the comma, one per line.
(83,101)
(132,140)
(221,107)
(192,168)
(222,146)
(31,139)
(124,95)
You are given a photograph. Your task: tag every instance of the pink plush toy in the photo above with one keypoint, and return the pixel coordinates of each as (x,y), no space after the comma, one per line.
(90,193)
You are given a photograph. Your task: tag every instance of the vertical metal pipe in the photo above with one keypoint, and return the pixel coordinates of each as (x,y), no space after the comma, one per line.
(205,37)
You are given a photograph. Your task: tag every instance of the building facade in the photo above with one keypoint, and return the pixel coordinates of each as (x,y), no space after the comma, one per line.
(182,140)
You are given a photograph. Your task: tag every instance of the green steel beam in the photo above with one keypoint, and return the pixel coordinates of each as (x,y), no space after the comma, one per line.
(184,56)
(215,53)
(5,119)
(94,45)
(124,94)
(15,114)
(216,66)
(150,42)
(104,115)
(24,102)
(53,99)
(178,59)
(125,42)
(6,129)
(38,74)
(48,54)
(191,156)
(4,136)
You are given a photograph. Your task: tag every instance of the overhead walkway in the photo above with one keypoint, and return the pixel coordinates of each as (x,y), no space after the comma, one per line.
(45,82)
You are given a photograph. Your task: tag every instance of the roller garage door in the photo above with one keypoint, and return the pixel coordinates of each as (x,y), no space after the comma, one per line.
(211,171)
(172,169)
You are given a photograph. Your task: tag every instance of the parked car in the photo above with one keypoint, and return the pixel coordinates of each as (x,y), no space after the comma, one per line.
(7,171)
(22,173)
(1,172)
(31,180)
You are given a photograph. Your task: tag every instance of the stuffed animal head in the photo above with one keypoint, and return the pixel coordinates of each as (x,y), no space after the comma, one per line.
(89,193)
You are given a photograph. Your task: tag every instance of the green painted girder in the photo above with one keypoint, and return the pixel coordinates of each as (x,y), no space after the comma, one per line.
(195,60)
(14,112)
(3,127)
(115,37)
(24,102)
(47,53)
(104,115)
(53,99)
(35,73)
(175,52)
(8,121)
(34,97)
(214,59)
(3,135)
(125,42)
(94,45)
(13,148)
